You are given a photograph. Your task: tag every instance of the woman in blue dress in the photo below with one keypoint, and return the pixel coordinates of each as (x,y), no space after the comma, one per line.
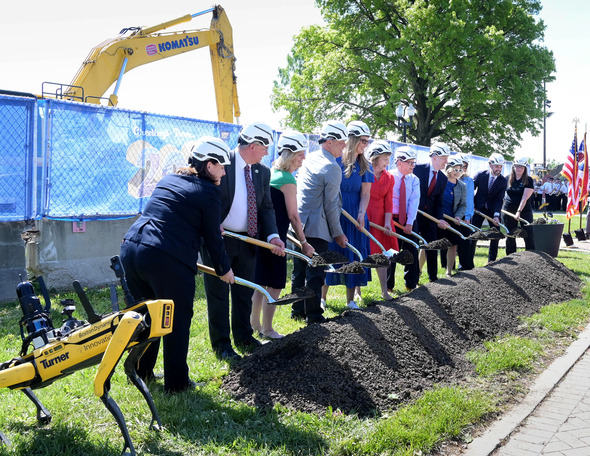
(356,193)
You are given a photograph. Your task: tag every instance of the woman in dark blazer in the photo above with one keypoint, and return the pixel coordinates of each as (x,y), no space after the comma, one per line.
(160,251)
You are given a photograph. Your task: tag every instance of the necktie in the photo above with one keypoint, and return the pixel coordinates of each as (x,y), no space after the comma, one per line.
(402,202)
(492,179)
(432,183)
(252,213)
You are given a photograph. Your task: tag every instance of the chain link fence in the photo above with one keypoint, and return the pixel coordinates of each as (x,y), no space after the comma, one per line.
(74,161)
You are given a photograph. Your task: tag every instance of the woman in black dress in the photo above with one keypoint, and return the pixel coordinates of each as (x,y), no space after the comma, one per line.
(271,270)
(517,201)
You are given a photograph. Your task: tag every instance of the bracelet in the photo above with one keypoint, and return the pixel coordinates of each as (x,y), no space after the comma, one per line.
(305,242)
(362,212)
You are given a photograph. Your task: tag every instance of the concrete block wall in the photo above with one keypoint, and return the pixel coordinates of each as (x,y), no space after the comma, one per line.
(59,251)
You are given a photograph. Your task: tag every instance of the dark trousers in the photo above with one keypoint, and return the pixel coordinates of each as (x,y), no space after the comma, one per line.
(464,250)
(411,271)
(511,224)
(493,252)
(153,274)
(312,278)
(242,257)
(428,230)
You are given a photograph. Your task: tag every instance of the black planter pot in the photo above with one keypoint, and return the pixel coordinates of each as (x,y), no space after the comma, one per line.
(547,237)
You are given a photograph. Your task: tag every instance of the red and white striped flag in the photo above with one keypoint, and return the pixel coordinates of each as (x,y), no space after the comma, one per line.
(584,177)
(570,171)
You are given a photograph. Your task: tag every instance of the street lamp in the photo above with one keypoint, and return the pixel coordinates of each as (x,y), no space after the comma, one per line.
(546,104)
(399,112)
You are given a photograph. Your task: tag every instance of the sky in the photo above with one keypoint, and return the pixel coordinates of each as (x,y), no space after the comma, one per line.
(48,41)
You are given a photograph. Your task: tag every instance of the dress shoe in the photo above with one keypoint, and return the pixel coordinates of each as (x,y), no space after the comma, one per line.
(228,355)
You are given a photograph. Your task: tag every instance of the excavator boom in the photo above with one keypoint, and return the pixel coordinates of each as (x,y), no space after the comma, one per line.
(110,60)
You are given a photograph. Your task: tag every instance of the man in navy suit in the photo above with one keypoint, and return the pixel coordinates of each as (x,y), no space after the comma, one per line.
(432,187)
(244,171)
(490,186)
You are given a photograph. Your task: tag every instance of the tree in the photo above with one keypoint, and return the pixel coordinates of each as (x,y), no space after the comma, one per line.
(473,69)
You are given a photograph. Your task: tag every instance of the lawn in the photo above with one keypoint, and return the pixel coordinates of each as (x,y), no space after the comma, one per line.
(207,421)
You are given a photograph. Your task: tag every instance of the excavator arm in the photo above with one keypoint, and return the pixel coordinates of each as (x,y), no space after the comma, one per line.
(111,59)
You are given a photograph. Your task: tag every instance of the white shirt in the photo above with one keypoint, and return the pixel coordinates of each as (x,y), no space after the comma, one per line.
(412,194)
(237,218)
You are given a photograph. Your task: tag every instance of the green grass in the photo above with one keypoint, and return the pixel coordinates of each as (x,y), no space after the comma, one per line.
(208,422)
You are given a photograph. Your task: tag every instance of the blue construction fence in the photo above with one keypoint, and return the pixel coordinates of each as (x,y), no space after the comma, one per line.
(74,161)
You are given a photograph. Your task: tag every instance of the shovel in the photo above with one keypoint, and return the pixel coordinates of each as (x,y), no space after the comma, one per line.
(518,232)
(388,253)
(289,299)
(490,219)
(317,259)
(520,219)
(437,221)
(435,245)
(266,245)
(466,225)
(394,234)
(412,233)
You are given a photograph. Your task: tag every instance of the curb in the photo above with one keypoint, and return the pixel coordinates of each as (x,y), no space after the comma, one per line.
(500,430)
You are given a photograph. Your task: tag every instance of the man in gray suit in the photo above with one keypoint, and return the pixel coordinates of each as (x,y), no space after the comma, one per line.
(319,204)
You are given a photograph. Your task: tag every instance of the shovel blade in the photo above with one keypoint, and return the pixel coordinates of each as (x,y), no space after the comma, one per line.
(297,295)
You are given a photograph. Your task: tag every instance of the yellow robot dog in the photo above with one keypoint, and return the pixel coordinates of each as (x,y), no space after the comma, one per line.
(59,352)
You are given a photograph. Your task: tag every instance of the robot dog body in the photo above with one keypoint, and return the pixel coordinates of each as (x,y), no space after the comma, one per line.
(77,345)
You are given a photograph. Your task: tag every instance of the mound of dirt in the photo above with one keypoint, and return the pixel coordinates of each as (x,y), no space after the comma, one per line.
(379,357)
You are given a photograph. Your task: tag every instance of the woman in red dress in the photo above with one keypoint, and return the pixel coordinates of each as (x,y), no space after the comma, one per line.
(381,205)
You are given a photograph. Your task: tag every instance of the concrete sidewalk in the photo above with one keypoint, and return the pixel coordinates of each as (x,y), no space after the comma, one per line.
(553,419)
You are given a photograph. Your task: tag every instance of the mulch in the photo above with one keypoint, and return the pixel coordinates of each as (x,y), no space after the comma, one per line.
(375,359)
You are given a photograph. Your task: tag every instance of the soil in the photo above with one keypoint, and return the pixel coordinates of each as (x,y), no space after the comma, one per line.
(403,257)
(375,359)
(328,257)
(298,293)
(351,268)
(376,259)
(439,244)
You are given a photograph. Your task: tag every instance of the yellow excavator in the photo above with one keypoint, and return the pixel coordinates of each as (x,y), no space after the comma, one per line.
(111,59)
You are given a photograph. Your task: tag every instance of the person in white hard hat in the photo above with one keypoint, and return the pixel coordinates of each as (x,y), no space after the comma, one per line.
(490,186)
(355,189)
(380,209)
(246,209)
(319,204)
(405,211)
(160,251)
(271,270)
(518,201)
(464,247)
(432,185)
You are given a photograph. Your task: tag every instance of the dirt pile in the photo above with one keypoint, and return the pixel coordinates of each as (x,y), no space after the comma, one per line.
(379,357)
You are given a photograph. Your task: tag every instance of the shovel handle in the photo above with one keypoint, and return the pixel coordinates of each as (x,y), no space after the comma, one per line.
(520,219)
(394,234)
(437,221)
(266,245)
(490,219)
(466,225)
(244,282)
(363,230)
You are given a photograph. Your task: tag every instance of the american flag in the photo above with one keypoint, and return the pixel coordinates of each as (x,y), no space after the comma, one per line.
(583,176)
(570,171)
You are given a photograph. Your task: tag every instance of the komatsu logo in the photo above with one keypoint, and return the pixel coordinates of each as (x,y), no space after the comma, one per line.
(177,44)
(58,359)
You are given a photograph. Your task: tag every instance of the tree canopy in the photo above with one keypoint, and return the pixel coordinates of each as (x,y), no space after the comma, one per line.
(473,69)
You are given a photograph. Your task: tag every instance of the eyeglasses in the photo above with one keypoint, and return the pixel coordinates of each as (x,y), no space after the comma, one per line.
(364,141)
(410,163)
(458,170)
(464,167)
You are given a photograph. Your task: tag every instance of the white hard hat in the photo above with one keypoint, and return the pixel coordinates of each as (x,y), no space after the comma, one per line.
(440,149)
(210,148)
(497,159)
(464,158)
(522,161)
(332,129)
(379,147)
(293,141)
(358,128)
(454,161)
(405,153)
(257,132)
